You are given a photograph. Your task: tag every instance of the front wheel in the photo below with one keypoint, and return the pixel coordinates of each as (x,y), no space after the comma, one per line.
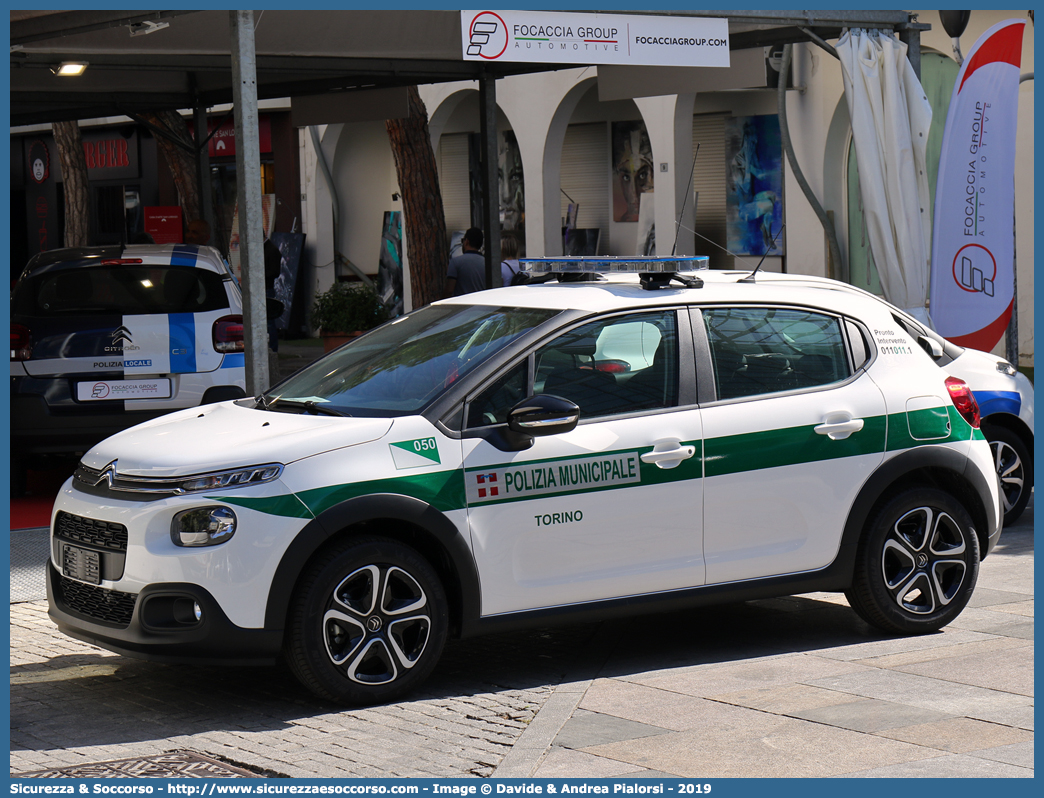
(367,623)
(917,564)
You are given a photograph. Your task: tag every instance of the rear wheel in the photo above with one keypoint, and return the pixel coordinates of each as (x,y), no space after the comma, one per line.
(1014,466)
(368,622)
(917,564)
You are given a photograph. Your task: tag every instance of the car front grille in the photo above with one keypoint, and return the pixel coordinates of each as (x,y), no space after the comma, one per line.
(99,603)
(90,532)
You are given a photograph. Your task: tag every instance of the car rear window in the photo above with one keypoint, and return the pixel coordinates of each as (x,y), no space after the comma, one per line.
(123,289)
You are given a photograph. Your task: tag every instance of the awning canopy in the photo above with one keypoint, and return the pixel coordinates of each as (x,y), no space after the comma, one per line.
(184,62)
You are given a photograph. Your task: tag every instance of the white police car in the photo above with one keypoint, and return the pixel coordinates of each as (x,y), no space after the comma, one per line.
(563,451)
(103,338)
(1004,396)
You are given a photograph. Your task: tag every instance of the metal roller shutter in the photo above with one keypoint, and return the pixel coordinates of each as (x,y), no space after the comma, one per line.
(708,130)
(585,177)
(452,164)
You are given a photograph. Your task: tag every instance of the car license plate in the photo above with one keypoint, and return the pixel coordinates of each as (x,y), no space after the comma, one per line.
(108,390)
(81,564)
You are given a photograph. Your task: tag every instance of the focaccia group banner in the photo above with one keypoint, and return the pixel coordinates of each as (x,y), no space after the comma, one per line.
(973,242)
(589,38)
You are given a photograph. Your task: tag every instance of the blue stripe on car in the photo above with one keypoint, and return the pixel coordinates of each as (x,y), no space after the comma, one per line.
(184,255)
(236,360)
(991,402)
(182,343)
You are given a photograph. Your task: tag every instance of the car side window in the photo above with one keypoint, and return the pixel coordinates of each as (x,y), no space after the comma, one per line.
(615,365)
(767,350)
(492,405)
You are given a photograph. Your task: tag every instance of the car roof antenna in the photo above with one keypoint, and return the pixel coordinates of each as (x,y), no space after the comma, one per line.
(750,277)
(685,198)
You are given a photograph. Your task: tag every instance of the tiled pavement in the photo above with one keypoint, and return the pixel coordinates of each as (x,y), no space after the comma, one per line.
(786,687)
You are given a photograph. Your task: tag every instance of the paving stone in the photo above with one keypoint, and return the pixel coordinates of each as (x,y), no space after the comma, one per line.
(1020,754)
(933,694)
(961,736)
(985,645)
(988,620)
(712,680)
(870,715)
(644,704)
(562,763)
(954,766)
(787,699)
(989,597)
(585,729)
(1024,608)
(1010,670)
(760,745)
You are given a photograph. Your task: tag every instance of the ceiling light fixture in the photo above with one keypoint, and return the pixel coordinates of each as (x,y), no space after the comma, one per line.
(70,69)
(147,27)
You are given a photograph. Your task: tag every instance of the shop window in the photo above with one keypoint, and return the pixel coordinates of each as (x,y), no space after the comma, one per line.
(117,214)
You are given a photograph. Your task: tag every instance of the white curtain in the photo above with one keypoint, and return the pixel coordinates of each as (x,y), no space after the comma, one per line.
(890,120)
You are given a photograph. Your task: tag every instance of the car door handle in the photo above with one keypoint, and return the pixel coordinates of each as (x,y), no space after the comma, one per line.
(668,454)
(838,426)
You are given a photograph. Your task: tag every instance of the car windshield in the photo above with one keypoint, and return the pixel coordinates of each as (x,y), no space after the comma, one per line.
(400,367)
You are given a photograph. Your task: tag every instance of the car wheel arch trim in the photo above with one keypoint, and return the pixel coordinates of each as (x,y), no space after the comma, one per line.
(906,463)
(334,520)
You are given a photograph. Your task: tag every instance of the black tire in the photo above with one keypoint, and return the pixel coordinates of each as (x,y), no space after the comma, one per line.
(367,622)
(1014,465)
(917,563)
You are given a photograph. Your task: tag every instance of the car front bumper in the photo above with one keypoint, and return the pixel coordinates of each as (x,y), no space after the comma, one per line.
(158,624)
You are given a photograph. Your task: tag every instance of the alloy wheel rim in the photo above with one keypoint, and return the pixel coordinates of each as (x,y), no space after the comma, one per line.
(376,624)
(922,561)
(1011,472)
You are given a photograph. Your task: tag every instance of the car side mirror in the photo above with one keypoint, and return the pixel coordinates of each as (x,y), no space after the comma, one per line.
(543,414)
(535,417)
(931,346)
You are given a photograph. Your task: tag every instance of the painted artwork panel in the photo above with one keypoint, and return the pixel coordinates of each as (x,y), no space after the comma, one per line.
(633,173)
(754,185)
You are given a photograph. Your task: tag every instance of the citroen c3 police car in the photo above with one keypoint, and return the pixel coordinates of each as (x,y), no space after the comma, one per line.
(103,338)
(571,450)
(1003,393)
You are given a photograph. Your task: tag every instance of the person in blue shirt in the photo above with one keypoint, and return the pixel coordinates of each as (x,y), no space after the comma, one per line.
(467,272)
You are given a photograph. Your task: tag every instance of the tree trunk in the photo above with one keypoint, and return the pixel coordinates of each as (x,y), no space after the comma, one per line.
(181,160)
(423,218)
(69,142)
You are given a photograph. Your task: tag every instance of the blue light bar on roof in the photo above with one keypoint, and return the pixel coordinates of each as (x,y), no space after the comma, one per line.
(613,265)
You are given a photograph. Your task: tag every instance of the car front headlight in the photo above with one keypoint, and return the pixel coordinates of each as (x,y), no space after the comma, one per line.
(203,526)
(255,475)
(1004,367)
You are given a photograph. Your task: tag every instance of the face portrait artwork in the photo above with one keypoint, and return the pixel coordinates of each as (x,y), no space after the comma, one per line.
(512,183)
(39,161)
(632,169)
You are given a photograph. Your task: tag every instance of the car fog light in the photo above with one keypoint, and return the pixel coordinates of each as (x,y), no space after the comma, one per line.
(197,611)
(203,526)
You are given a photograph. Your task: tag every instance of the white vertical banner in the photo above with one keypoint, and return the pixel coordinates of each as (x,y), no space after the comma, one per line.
(973,242)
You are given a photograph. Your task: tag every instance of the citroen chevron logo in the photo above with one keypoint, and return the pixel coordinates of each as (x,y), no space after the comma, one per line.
(121,334)
(107,475)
